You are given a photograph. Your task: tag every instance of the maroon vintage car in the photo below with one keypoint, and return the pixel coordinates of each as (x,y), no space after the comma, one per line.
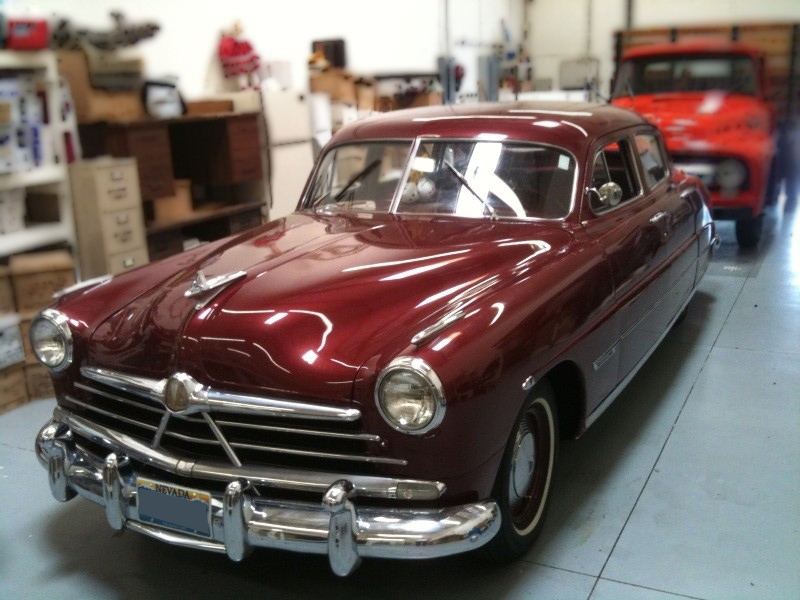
(387,371)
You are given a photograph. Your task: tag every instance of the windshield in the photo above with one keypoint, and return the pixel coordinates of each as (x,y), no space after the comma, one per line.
(463,178)
(687,73)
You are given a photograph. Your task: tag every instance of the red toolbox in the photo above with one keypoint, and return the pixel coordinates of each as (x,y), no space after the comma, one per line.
(27,34)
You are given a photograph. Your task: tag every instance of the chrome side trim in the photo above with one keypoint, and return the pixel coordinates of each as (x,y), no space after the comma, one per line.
(212,399)
(440,325)
(603,358)
(300,480)
(601,408)
(94,281)
(240,520)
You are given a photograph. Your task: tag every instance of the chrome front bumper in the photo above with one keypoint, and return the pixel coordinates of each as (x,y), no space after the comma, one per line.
(242,520)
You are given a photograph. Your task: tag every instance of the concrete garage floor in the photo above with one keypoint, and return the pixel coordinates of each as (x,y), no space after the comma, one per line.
(688,486)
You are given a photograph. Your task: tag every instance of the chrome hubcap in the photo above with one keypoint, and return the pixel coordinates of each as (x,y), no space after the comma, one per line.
(522,465)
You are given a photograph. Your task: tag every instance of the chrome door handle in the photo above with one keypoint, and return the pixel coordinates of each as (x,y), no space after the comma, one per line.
(658,217)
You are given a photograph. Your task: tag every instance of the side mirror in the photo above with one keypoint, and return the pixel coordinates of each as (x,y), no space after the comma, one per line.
(608,195)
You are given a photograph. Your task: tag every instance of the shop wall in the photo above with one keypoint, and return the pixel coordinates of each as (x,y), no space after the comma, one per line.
(560,29)
(381,36)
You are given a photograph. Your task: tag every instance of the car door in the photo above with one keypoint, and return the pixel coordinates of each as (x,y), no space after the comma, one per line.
(634,235)
(676,219)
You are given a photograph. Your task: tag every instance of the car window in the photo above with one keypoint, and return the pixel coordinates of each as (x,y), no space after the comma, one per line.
(360,177)
(477,178)
(613,163)
(487,178)
(653,163)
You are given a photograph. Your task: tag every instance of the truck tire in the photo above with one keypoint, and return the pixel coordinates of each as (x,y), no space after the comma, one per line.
(748,231)
(774,183)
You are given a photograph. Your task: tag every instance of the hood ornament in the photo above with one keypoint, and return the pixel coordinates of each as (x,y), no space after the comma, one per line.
(206,290)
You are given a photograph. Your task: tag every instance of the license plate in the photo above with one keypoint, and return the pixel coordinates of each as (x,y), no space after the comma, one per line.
(174,507)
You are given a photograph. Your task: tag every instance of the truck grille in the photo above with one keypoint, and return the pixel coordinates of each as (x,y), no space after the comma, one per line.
(237,438)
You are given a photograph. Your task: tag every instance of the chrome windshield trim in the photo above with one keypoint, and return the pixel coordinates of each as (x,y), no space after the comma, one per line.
(415,142)
(301,480)
(211,399)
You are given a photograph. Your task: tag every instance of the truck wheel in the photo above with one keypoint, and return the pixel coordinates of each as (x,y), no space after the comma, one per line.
(523,484)
(748,231)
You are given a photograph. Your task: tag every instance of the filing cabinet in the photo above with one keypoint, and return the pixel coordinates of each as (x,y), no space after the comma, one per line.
(108,216)
(146,141)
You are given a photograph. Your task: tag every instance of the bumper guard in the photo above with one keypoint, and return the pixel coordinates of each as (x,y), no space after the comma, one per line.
(242,520)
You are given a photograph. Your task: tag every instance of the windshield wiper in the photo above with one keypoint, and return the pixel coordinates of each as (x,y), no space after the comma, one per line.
(465,183)
(358,176)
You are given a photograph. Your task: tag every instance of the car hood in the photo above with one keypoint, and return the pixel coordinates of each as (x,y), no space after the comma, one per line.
(321,295)
(702,121)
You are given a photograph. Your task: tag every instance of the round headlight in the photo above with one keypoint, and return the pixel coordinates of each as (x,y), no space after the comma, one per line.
(730,174)
(51,339)
(409,396)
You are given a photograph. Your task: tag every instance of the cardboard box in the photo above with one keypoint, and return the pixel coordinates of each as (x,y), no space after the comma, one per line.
(93,105)
(208,107)
(426,99)
(13,389)
(12,210)
(343,114)
(38,382)
(38,275)
(385,104)
(7,304)
(175,208)
(365,96)
(25,331)
(338,83)
(11,349)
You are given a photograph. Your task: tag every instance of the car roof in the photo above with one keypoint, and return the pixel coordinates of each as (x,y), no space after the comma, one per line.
(698,47)
(572,125)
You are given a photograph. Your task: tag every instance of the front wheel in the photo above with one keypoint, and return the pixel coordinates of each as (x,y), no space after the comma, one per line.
(748,231)
(523,484)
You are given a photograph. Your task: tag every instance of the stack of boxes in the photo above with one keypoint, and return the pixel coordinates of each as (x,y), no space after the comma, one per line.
(27,286)
(353,98)
(341,87)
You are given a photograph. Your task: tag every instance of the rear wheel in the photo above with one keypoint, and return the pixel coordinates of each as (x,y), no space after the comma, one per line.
(524,482)
(748,231)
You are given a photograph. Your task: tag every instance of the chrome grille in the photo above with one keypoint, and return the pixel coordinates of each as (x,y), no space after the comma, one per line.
(237,438)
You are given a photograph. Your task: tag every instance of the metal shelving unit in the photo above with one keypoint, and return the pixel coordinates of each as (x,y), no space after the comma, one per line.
(52,177)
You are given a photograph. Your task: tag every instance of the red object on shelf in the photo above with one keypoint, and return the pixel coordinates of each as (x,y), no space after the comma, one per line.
(27,34)
(237,56)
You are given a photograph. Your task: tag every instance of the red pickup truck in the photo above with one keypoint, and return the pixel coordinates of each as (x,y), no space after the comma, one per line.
(722,115)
